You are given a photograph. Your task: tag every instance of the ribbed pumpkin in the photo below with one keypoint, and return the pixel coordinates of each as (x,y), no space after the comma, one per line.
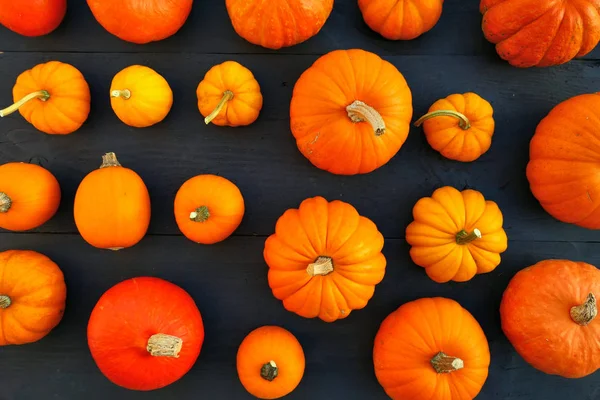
(34,17)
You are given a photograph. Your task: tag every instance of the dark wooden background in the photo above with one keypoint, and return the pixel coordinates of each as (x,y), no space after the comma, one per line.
(228,280)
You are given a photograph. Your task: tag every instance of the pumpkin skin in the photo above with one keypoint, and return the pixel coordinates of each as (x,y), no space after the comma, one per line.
(229,95)
(354,128)
(54,97)
(32,296)
(33,17)
(541,33)
(456,235)
(278,23)
(324,259)
(29,196)
(549,314)
(431,349)
(141,21)
(460,126)
(140,96)
(145,333)
(112,206)
(270,362)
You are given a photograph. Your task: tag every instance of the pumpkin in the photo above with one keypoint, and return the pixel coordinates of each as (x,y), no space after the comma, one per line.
(324,259)
(278,23)
(140,96)
(431,349)
(141,21)
(549,314)
(541,33)
(112,206)
(401,19)
(54,97)
(29,196)
(32,296)
(270,362)
(145,333)
(350,112)
(208,208)
(32,18)
(456,235)
(229,95)
(460,126)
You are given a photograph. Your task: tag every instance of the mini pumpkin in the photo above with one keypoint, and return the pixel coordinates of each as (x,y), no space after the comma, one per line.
(270,362)
(54,97)
(460,126)
(32,18)
(456,235)
(32,296)
(324,259)
(431,349)
(350,112)
(112,206)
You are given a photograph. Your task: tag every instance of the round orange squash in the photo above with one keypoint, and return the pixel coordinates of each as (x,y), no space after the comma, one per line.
(324,259)
(32,296)
(350,112)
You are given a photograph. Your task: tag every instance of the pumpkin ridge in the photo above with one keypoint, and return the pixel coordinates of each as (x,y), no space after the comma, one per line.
(555,34)
(518,29)
(27,328)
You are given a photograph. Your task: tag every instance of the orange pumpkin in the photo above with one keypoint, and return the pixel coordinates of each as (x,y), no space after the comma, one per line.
(460,126)
(350,112)
(324,259)
(32,296)
(278,23)
(431,349)
(112,206)
(456,235)
(54,97)
(270,362)
(29,196)
(549,314)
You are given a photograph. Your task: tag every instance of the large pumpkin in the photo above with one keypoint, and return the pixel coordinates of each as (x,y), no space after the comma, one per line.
(324,259)
(33,17)
(549,314)
(350,112)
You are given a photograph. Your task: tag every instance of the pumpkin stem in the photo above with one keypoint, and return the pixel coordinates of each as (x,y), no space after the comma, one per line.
(361,112)
(443,363)
(464,237)
(201,214)
(161,345)
(125,94)
(5,203)
(110,160)
(463,121)
(269,371)
(227,96)
(43,95)
(5,301)
(585,313)
(323,265)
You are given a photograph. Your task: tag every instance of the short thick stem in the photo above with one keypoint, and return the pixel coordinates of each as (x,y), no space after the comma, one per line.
(269,371)
(110,160)
(361,112)
(5,203)
(227,96)
(322,266)
(43,95)
(161,345)
(464,237)
(200,214)
(5,301)
(463,121)
(444,364)
(125,94)
(585,313)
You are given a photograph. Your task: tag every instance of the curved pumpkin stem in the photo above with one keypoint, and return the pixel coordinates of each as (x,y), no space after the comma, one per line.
(5,301)
(463,121)
(43,95)
(5,203)
(464,237)
(361,112)
(585,313)
(125,94)
(269,371)
(323,265)
(161,345)
(200,214)
(110,160)
(443,363)
(227,96)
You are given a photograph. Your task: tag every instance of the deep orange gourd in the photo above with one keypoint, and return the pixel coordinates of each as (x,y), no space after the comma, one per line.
(54,97)
(350,112)
(112,206)
(29,196)
(278,23)
(324,259)
(460,126)
(32,17)
(431,349)
(456,235)
(541,33)
(270,362)
(145,333)
(32,296)
(549,314)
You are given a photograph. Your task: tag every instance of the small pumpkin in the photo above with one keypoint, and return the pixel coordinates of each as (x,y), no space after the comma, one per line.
(32,18)
(401,19)
(112,206)
(324,259)
(54,97)
(32,296)
(549,314)
(460,126)
(29,196)
(145,333)
(278,23)
(456,235)
(350,112)
(229,95)
(431,349)
(140,96)
(270,362)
